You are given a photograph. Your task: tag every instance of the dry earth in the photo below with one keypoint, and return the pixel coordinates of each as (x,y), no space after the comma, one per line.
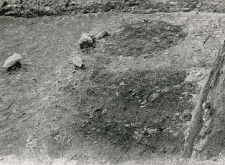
(126,104)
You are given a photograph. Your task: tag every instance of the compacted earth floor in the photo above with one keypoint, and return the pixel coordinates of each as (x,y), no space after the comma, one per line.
(132,100)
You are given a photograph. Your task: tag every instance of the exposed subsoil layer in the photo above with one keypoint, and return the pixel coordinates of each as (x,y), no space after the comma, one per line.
(122,105)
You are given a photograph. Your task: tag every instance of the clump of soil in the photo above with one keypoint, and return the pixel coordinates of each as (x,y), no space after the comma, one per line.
(145,38)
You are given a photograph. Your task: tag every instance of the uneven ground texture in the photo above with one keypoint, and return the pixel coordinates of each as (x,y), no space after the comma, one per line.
(132,99)
(32,8)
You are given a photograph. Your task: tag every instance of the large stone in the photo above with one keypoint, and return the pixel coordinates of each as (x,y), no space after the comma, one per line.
(12,60)
(86,41)
(78,62)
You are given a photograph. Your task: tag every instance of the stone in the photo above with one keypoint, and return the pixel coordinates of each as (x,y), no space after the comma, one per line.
(12,60)
(174,3)
(137,135)
(151,131)
(122,83)
(154,96)
(186,9)
(86,41)
(177,114)
(78,62)
(166,89)
(47,8)
(102,35)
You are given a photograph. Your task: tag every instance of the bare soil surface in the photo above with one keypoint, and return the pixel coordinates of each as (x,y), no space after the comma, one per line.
(133,98)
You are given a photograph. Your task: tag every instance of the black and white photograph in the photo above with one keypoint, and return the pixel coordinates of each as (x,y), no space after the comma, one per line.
(112,82)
